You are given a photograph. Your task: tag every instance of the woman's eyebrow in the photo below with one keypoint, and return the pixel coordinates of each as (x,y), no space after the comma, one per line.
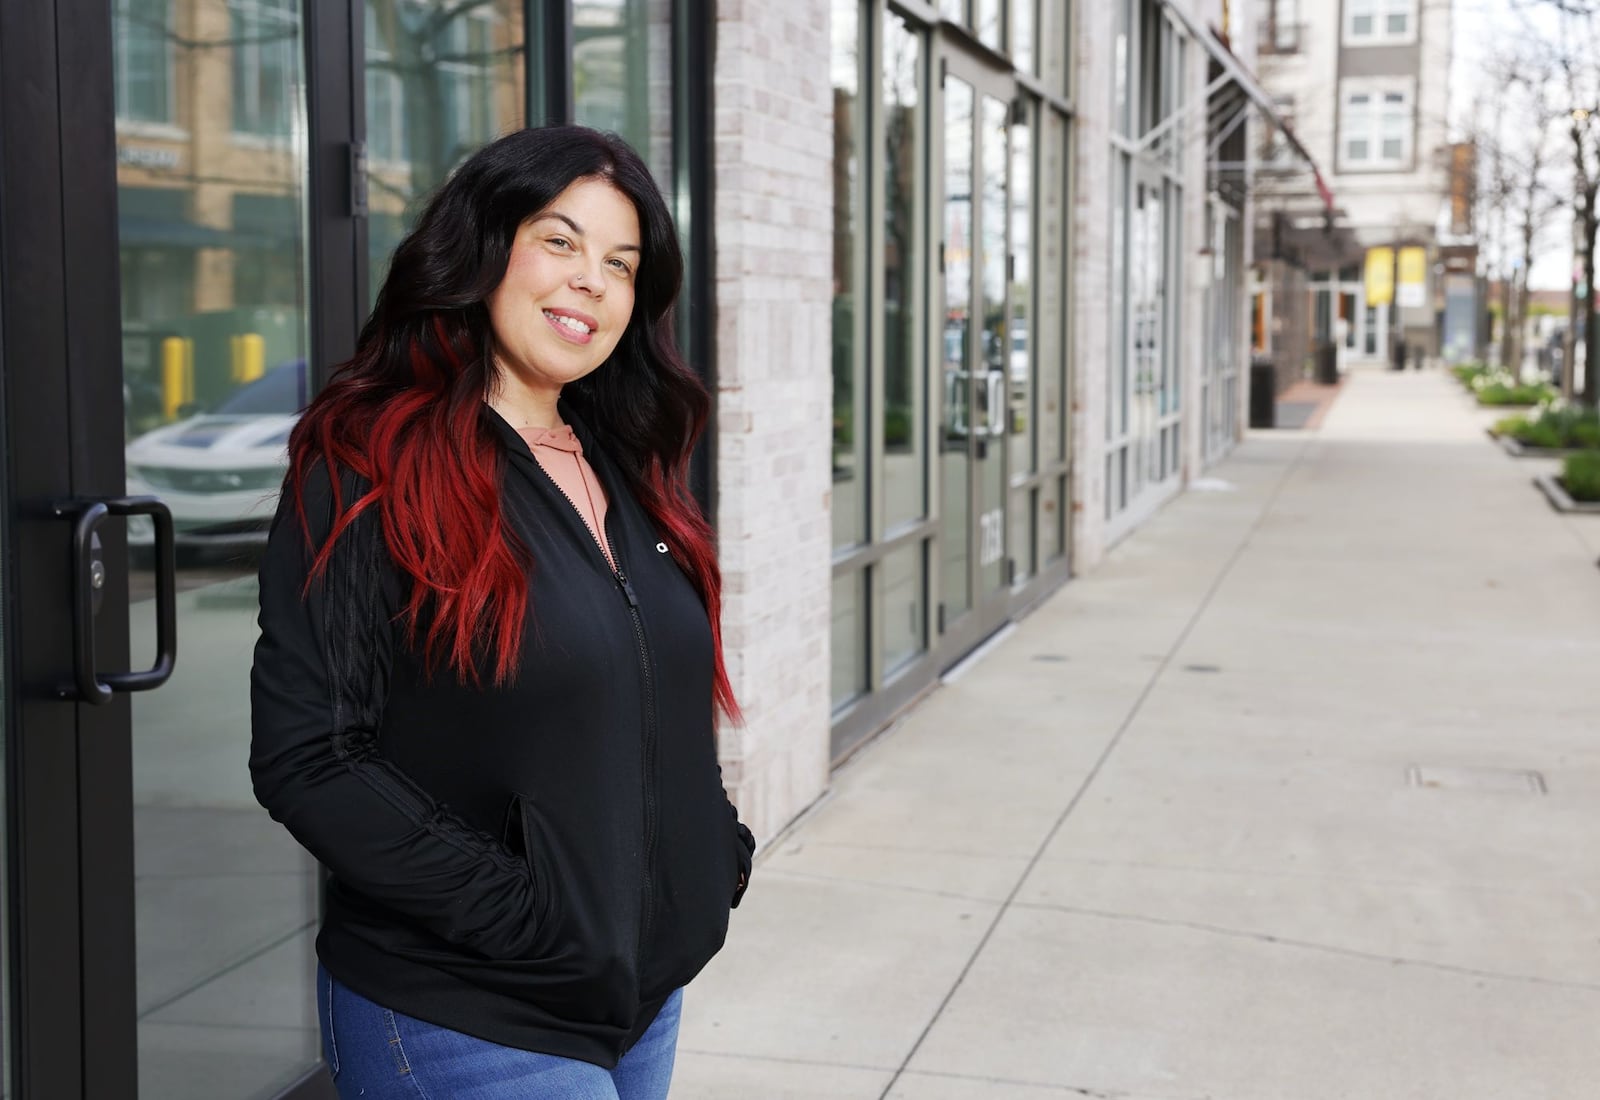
(578,229)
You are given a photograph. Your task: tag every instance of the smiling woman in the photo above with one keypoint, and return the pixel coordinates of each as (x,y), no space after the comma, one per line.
(488,559)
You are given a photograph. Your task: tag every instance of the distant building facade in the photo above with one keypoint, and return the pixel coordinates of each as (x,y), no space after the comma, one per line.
(1365,84)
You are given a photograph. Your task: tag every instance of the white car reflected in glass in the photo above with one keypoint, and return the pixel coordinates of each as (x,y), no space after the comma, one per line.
(220,471)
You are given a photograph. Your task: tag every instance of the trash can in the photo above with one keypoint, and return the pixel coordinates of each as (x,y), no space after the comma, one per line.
(1327,356)
(1263,394)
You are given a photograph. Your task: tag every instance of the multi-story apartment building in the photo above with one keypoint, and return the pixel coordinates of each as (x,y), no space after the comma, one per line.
(966,279)
(1364,84)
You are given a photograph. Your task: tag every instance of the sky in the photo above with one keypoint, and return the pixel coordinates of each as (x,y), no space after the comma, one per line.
(1478,24)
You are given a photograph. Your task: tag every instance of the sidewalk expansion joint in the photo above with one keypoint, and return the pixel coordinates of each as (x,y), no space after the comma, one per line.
(1309,945)
(879,884)
(1291,466)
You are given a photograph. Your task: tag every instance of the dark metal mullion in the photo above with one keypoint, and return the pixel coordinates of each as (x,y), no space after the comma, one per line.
(871,553)
(44,1003)
(552,55)
(693,49)
(93,371)
(869,378)
(337,292)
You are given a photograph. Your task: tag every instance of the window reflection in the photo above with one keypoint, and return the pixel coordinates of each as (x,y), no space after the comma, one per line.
(1020,356)
(849,650)
(1022,20)
(442,78)
(849,430)
(211,192)
(904,624)
(955,351)
(988,19)
(622,75)
(904,477)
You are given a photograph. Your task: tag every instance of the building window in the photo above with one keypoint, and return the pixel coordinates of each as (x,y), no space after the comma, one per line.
(142,61)
(1380,22)
(266,65)
(1375,126)
(1278,26)
(1144,364)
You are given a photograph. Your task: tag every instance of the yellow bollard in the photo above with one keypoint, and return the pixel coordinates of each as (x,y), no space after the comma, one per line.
(177,375)
(249,357)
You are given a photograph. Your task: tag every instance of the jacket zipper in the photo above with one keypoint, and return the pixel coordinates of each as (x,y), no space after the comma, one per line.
(647,890)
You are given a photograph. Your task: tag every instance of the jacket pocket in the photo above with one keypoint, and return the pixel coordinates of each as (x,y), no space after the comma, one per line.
(521,834)
(744,854)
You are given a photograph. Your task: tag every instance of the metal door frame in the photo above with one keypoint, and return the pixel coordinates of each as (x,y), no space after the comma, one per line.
(955,635)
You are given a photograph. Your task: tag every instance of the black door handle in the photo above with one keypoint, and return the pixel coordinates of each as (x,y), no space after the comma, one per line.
(88,578)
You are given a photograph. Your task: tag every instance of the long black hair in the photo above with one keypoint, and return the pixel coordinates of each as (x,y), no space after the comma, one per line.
(407,413)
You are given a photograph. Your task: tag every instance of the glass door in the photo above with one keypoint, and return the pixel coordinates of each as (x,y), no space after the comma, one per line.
(155,284)
(211,188)
(975,339)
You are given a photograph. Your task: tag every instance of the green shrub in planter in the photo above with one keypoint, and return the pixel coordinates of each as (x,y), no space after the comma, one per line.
(1466,372)
(1542,433)
(1503,393)
(1566,425)
(1513,426)
(1580,474)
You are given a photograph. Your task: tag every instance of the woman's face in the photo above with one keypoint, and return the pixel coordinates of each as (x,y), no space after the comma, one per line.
(568,290)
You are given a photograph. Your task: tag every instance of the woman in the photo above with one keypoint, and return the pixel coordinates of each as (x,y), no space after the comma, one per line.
(483,694)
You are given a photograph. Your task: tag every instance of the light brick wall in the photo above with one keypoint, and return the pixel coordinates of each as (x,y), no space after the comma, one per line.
(1091,265)
(1195,271)
(1091,277)
(773,225)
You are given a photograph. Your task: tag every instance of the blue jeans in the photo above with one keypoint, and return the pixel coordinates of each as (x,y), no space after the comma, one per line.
(378,1054)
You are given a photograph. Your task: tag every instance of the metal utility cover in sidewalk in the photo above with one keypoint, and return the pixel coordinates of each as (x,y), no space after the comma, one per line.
(1493,780)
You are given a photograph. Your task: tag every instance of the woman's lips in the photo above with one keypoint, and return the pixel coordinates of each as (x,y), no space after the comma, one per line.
(566,332)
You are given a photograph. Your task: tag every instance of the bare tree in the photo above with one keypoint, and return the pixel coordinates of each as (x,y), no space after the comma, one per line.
(1524,190)
(1574,52)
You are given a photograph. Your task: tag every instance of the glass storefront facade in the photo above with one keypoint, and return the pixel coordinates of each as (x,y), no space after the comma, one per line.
(1143,424)
(216,227)
(950,449)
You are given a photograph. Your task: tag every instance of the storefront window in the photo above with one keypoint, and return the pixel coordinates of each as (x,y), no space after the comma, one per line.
(988,18)
(849,652)
(849,382)
(142,65)
(622,75)
(442,78)
(1022,45)
(215,345)
(1020,371)
(266,61)
(904,624)
(904,460)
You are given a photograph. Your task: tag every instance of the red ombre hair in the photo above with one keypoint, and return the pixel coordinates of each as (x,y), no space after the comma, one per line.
(407,415)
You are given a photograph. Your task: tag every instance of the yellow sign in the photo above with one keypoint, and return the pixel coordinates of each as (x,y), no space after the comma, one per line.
(1413,292)
(1380,276)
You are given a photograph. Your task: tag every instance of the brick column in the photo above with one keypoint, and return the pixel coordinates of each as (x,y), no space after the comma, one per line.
(772,218)
(1091,278)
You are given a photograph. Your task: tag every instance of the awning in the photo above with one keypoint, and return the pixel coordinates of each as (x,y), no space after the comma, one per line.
(1234,72)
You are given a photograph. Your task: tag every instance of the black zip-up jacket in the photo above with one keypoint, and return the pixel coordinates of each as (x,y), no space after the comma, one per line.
(539,865)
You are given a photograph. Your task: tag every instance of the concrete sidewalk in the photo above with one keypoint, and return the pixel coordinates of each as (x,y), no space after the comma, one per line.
(1244,814)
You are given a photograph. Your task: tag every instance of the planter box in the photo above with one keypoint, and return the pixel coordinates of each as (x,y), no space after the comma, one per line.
(1517,450)
(1556,493)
